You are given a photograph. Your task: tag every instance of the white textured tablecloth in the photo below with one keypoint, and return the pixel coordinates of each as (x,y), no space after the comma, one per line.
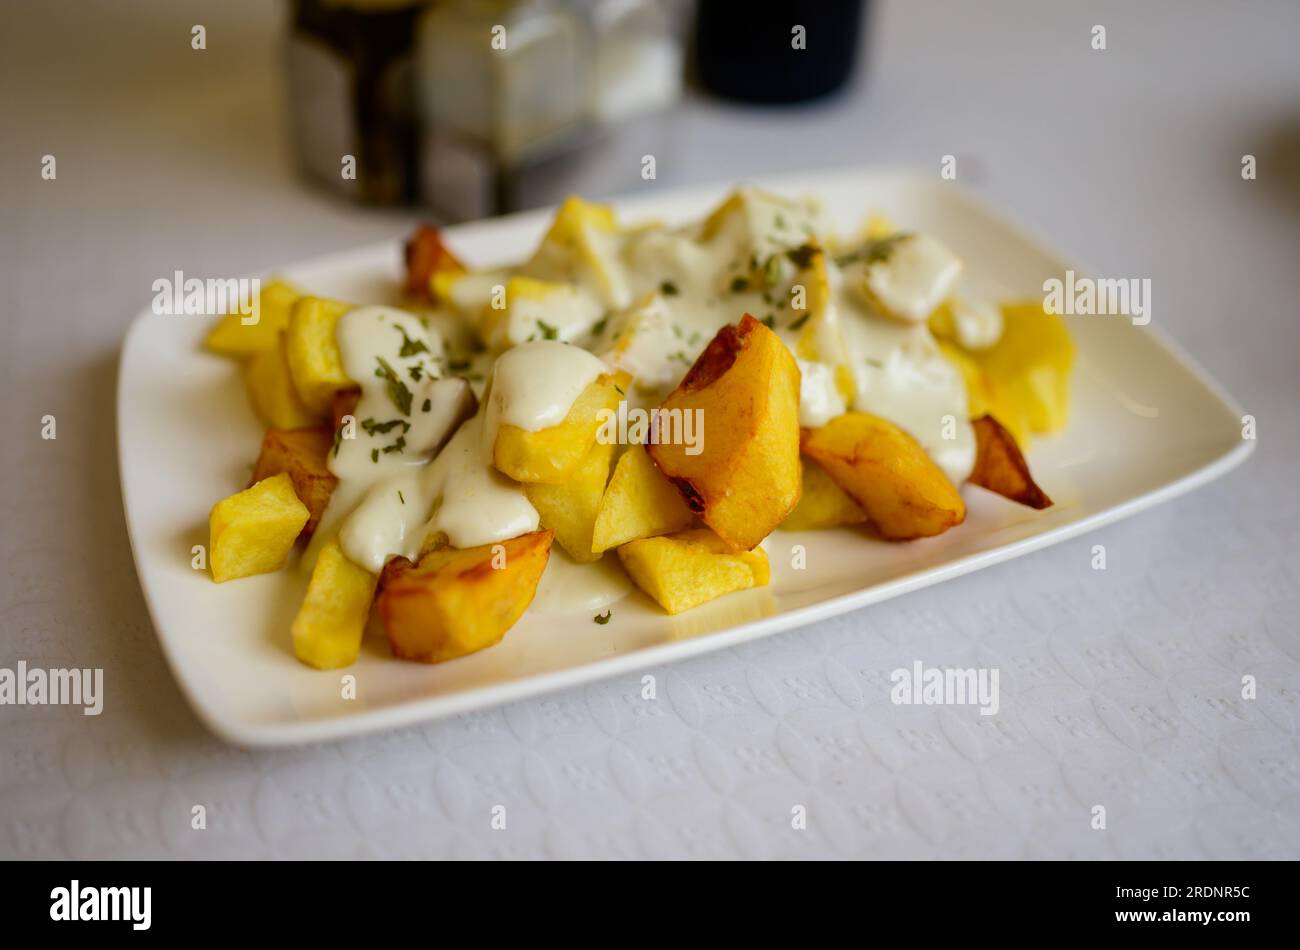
(1119,687)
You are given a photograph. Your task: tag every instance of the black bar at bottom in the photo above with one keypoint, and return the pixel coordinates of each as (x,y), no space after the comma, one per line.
(212,899)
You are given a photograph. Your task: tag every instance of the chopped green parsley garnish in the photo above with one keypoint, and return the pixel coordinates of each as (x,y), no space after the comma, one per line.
(371,426)
(802,255)
(883,249)
(876,251)
(400,496)
(428,404)
(772,271)
(397,391)
(801,321)
(603,619)
(409,347)
(548,332)
(739,283)
(668,289)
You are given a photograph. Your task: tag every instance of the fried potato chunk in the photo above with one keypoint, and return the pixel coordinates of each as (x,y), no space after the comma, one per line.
(575,214)
(427,255)
(458,601)
(303,455)
(554,453)
(331,622)
(569,508)
(271,390)
(823,504)
(744,478)
(1033,360)
(1001,468)
(639,503)
(904,493)
(983,396)
(576,246)
(234,338)
(537,309)
(1023,380)
(683,570)
(315,361)
(252,531)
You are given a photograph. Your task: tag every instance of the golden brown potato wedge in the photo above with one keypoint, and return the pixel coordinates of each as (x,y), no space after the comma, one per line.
(232,337)
(304,455)
(1033,360)
(904,493)
(271,391)
(315,361)
(331,622)
(823,504)
(1024,379)
(252,531)
(554,453)
(744,479)
(639,503)
(427,255)
(458,601)
(1001,468)
(570,508)
(683,570)
(984,396)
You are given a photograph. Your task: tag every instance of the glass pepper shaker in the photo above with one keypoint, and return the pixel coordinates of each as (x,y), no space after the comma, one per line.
(503,85)
(351,95)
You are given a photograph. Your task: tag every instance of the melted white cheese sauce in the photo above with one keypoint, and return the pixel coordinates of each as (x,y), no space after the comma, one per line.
(390,433)
(370,339)
(478,505)
(918,274)
(978,322)
(688,284)
(535,384)
(651,300)
(459,492)
(900,374)
(819,398)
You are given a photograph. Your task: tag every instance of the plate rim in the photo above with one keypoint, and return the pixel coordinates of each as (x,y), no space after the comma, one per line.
(410,712)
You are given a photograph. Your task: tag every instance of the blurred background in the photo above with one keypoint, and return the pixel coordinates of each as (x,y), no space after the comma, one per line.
(475,107)
(228,159)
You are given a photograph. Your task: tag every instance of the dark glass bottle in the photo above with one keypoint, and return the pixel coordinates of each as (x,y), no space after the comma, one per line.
(351,92)
(753,52)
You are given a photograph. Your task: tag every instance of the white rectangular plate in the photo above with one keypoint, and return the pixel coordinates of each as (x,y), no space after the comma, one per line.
(1147,425)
